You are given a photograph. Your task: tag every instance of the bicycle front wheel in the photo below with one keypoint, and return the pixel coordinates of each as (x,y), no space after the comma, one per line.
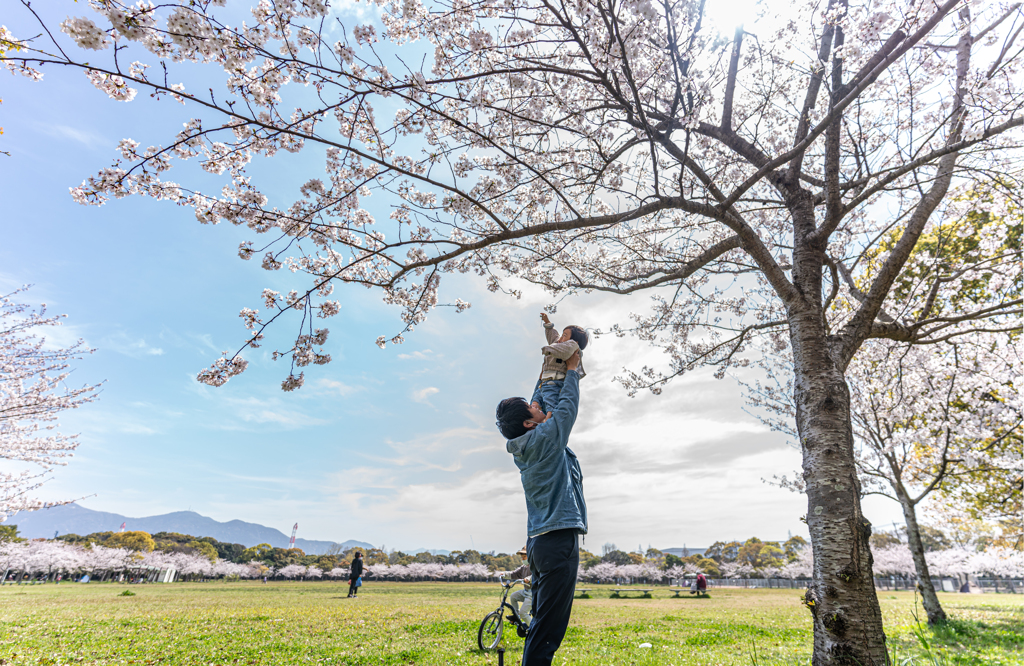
(490,631)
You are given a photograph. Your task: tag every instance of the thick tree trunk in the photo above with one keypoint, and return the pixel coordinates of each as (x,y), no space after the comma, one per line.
(924,579)
(847,618)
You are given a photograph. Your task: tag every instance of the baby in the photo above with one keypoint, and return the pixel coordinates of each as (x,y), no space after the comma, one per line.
(556,352)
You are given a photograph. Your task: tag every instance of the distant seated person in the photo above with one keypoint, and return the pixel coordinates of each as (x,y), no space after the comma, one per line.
(552,371)
(525,594)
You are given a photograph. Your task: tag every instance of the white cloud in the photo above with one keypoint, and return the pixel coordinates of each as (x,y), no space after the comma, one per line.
(352,9)
(137,429)
(423,394)
(84,137)
(424,355)
(122,343)
(257,410)
(335,387)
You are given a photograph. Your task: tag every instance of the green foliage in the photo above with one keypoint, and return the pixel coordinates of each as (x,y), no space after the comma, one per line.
(760,554)
(9,534)
(708,566)
(932,538)
(204,548)
(793,546)
(723,551)
(98,538)
(504,562)
(136,541)
(258,553)
(617,557)
(883,539)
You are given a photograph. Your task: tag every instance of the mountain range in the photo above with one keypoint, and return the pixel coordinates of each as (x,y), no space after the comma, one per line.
(77,519)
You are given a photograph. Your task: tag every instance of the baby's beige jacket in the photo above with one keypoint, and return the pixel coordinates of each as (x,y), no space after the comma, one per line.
(555,355)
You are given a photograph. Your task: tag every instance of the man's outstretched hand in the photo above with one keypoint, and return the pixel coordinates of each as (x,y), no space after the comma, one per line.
(573,361)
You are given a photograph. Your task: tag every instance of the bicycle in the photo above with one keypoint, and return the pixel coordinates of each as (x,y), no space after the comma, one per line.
(491,628)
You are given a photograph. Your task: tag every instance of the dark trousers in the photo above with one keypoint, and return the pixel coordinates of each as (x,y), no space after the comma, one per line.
(352,589)
(554,560)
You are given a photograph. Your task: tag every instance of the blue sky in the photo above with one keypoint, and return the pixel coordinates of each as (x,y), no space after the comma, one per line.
(396,447)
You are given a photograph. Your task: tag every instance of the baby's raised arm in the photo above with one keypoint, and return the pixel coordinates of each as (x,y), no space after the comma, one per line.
(550,334)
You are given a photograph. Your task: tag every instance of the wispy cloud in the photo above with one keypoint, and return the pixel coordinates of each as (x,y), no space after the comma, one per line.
(423,395)
(122,343)
(424,355)
(261,410)
(137,429)
(335,387)
(84,137)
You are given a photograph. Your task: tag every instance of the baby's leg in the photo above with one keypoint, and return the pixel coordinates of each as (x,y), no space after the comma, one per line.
(549,394)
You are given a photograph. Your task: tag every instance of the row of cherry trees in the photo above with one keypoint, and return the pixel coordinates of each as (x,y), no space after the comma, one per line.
(999,562)
(608,572)
(49,558)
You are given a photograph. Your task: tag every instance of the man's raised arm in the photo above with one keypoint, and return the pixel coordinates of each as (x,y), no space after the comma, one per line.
(565,412)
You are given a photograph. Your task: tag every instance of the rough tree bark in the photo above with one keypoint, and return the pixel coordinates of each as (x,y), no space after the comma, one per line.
(842,600)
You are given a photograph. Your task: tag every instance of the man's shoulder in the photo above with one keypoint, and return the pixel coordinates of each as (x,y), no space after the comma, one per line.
(536,442)
(519,445)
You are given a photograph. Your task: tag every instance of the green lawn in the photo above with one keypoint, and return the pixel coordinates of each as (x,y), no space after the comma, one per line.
(436,623)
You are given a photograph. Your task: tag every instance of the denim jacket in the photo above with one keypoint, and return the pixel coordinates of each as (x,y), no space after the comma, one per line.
(551,475)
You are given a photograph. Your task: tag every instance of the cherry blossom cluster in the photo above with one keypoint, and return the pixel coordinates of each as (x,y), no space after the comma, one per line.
(34,392)
(923,413)
(592,146)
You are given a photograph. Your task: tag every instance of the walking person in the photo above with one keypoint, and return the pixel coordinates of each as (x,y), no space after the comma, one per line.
(556,511)
(355,574)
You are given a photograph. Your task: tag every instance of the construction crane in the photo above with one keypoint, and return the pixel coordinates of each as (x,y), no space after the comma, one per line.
(291,544)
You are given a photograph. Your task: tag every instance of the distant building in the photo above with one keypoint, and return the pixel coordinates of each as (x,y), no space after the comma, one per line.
(679,552)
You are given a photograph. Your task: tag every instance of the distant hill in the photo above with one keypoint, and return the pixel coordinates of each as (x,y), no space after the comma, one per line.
(76,519)
(427,550)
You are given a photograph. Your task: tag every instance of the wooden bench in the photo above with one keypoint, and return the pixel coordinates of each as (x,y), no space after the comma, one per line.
(679,590)
(619,591)
(582,592)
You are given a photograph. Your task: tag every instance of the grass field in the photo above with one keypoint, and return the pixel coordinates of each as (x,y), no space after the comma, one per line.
(436,623)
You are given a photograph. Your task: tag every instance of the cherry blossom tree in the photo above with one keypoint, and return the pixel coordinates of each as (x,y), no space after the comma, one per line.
(922,415)
(894,561)
(801,567)
(35,389)
(620,147)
